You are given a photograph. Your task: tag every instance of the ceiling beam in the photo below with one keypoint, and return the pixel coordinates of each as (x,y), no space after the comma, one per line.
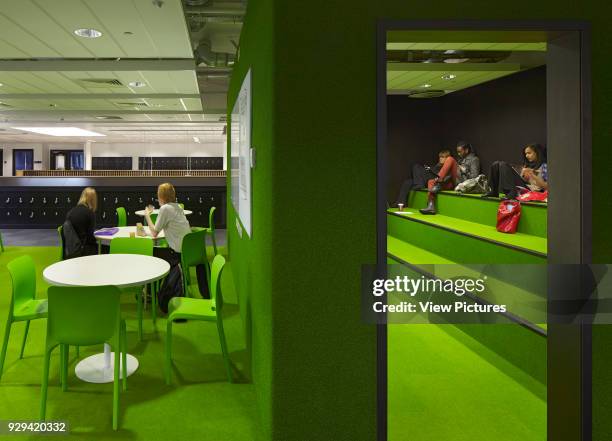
(61,113)
(96,65)
(97,96)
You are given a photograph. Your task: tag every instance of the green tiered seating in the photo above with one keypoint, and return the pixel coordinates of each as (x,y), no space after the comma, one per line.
(464,231)
(466,359)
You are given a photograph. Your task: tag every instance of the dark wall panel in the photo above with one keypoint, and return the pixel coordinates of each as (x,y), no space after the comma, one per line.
(111,163)
(498,118)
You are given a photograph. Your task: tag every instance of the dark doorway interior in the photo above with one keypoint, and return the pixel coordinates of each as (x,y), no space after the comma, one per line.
(23,159)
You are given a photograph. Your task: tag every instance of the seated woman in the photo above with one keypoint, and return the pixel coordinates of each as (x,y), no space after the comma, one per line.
(468,163)
(82,218)
(504,178)
(446,180)
(171,219)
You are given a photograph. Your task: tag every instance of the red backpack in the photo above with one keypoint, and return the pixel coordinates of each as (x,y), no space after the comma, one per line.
(508,215)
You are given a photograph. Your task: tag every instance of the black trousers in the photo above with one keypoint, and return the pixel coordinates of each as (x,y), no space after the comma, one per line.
(174,258)
(503,178)
(419,179)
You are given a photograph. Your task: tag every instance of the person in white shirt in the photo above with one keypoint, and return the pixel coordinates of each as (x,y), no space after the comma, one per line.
(171,219)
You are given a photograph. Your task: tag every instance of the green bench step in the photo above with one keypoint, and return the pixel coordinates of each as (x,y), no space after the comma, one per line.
(463,241)
(473,208)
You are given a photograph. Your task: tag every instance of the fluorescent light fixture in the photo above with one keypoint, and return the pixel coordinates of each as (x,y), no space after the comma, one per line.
(88,33)
(426,86)
(59,131)
(137,84)
(451,51)
(449,77)
(456,60)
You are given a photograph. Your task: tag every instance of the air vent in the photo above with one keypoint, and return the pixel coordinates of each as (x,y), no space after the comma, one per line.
(108,117)
(426,93)
(100,82)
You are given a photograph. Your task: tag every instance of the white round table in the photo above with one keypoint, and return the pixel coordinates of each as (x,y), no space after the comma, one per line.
(125,232)
(156,211)
(121,270)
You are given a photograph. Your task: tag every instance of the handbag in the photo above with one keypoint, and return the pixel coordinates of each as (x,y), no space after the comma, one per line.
(533,196)
(508,216)
(479,184)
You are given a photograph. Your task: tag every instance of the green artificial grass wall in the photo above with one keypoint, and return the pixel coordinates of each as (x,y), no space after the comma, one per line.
(314,185)
(252,256)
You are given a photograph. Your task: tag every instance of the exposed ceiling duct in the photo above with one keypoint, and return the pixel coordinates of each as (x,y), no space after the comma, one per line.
(206,56)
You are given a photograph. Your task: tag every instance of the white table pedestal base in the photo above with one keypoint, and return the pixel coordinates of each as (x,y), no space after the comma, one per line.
(99,368)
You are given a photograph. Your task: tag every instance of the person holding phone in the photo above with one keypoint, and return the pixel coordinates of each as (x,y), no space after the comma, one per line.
(446,179)
(533,174)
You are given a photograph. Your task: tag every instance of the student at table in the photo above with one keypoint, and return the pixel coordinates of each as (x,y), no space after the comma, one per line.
(79,227)
(171,219)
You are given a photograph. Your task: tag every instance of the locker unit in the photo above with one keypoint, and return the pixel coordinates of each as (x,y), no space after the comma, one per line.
(46,207)
(180,163)
(111,163)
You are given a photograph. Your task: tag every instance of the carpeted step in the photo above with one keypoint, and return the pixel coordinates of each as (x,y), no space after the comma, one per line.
(464,241)
(473,208)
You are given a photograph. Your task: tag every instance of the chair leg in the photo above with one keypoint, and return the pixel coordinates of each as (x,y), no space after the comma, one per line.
(7,333)
(116,382)
(64,367)
(154,291)
(124,353)
(145,290)
(25,337)
(44,384)
(226,359)
(168,352)
(139,314)
(78,351)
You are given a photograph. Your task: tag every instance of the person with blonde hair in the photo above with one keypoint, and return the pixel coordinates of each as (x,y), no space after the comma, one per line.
(171,219)
(82,219)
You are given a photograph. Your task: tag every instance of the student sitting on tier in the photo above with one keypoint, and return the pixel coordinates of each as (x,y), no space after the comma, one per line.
(468,163)
(446,180)
(533,174)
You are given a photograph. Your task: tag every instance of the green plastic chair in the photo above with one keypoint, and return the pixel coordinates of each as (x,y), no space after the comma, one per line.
(181,205)
(60,233)
(211,227)
(121,217)
(84,316)
(142,246)
(193,253)
(23,306)
(201,310)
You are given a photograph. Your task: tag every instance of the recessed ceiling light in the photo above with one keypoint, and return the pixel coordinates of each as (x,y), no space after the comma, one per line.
(1,84)
(88,33)
(59,131)
(137,84)
(449,77)
(451,51)
(196,139)
(456,60)
(426,85)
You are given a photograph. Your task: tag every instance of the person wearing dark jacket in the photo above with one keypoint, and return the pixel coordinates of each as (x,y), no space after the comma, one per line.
(83,220)
(533,174)
(468,164)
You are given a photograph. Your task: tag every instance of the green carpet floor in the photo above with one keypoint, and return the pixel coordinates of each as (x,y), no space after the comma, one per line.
(445,386)
(201,404)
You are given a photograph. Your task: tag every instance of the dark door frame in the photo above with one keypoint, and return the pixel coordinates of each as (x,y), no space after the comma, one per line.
(22,150)
(569,418)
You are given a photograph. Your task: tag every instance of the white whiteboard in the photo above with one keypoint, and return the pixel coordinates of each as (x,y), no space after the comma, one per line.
(240,134)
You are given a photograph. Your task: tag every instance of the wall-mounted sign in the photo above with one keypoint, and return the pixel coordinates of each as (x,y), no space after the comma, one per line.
(240,134)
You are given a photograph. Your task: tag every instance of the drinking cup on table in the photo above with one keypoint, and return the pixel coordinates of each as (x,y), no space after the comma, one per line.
(401,207)
(132,234)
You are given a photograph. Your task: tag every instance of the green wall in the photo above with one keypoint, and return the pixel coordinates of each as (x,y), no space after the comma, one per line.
(252,257)
(314,128)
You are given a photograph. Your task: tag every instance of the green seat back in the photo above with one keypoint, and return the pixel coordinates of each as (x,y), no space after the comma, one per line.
(193,249)
(216,295)
(83,316)
(23,277)
(121,217)
(60,233)
(131,245)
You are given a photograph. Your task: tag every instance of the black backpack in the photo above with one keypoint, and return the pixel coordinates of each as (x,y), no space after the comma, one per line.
(171,287)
